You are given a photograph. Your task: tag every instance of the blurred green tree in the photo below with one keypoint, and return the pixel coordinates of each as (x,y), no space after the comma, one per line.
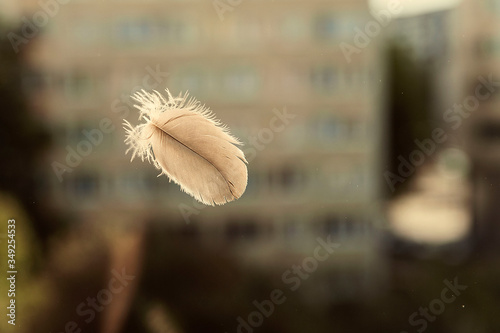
(409,103)
(22,138)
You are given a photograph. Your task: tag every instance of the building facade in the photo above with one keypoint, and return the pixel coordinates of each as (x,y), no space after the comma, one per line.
(479,65)
(315,174)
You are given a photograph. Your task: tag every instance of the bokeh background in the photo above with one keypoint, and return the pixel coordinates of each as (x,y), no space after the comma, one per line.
(372,125)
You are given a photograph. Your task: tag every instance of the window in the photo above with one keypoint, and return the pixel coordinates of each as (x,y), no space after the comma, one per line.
(339,226)
(241,230)
(345,182)
(326,27)
(350,226)
(330,226)
(192,80)
(328,128)
(77,133)
(253,183)
(131,185)
(324,79)
(131,31)
(144,31)
(332,27)
(286,179)
(489,131)
(240,82)
(174,30)
(84,186)
(78,85)
(35,81)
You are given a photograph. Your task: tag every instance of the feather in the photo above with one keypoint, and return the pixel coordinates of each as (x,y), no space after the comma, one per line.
(183,139)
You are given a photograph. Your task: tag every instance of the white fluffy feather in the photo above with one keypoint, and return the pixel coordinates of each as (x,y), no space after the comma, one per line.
(183,139)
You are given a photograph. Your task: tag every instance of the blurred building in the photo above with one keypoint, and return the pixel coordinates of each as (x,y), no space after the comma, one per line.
(319,175)
(461,46)
(428,34)
(479,64)
(431,41)
(434,45)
